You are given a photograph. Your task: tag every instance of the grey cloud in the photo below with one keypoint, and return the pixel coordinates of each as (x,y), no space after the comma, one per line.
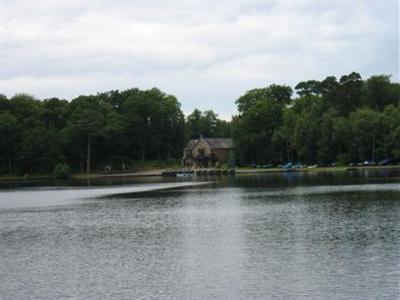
(206,54)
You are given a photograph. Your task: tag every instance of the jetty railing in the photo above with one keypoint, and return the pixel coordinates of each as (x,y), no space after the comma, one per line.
(199,172)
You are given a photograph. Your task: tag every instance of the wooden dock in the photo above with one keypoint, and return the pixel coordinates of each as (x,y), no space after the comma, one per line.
(199,172)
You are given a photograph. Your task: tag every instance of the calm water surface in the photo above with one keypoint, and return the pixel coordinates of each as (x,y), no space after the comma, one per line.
(278,236)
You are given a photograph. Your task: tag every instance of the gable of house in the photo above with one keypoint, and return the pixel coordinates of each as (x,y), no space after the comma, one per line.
(202,148)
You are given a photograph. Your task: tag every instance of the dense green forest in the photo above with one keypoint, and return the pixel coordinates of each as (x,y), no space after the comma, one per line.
(343,120)
(109,128)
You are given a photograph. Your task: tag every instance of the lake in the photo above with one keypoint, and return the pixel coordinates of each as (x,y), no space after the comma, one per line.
(267,236)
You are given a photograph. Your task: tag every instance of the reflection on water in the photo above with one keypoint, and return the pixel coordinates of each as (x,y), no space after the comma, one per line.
(276,236)
(89,182)
(51,196)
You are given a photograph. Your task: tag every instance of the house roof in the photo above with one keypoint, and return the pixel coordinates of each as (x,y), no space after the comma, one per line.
(215,143)
(220,143)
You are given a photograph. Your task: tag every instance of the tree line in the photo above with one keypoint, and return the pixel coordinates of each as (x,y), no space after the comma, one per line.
(334,120)
(114,128)
(345,119)
(109,128)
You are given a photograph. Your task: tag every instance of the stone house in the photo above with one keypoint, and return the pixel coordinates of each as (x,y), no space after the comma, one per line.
(208,152)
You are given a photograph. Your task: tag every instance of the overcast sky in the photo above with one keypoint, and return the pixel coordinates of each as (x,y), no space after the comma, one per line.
(207,54)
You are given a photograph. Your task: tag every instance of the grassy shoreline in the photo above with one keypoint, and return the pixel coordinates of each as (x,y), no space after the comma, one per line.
(308,170)
(158,172)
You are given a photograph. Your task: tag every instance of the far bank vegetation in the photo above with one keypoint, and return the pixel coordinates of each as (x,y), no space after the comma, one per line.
(333,120)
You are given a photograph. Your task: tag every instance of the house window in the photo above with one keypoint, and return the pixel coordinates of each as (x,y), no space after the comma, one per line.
(201,151)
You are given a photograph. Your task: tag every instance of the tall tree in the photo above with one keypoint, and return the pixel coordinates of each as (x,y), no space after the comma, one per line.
(380,92)
(54,113)
(342,136)
(86,120)
(348,96)
(391,117)
(155,123)
(367,128)
(206,124)
(279,93)
(9,135)
(254,127)
(308,88)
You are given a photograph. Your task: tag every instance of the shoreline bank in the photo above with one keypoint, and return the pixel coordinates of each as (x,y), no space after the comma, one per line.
(239,171)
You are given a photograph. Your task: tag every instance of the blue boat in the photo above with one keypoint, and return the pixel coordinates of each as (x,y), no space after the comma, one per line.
(287,166)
